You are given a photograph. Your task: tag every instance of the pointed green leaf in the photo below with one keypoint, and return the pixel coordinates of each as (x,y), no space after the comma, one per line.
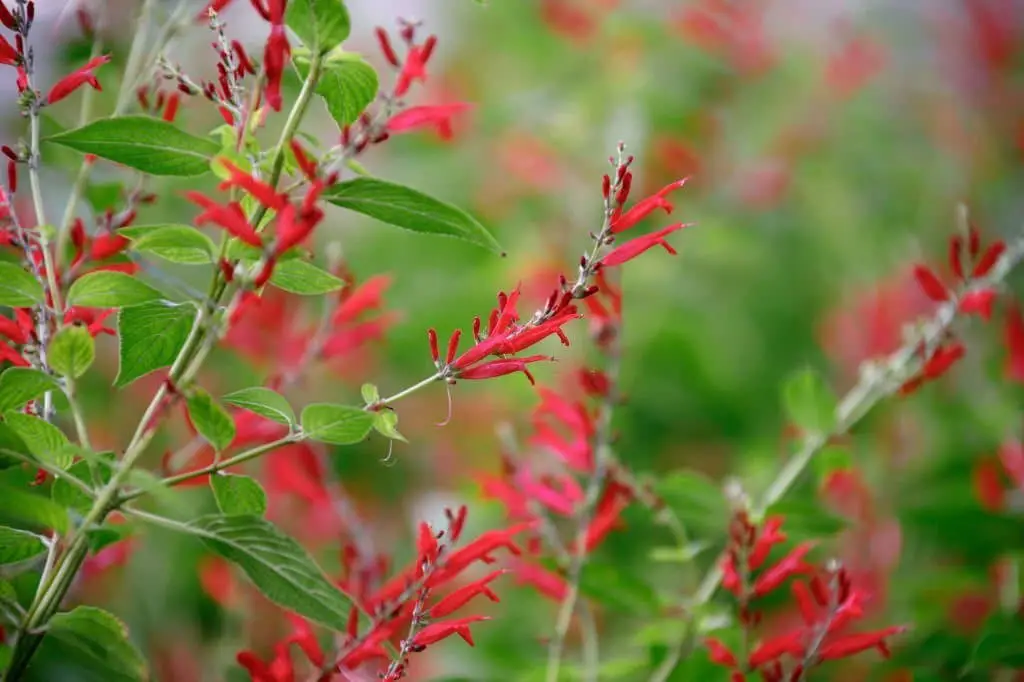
(27,509)
(174,243)
(143,143)
(302,277)
(18,287)
(409,209)
(337,424)
(697,500)
(90,644)
(809,402)
(370,393)
(386,424)
(210,419)
(263,402)
(18,385)
(347,86)
(71,351)
(44,440)
(17,546)
(71,496)
(277,565)
(151,336)
(108,289)
(322,25)
(238,494)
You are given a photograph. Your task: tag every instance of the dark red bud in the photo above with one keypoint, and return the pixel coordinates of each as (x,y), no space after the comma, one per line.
(435,355)
(385,46)
(453,346)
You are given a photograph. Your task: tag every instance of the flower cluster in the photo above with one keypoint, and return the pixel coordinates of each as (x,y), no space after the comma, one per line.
(828,601)
(968,263)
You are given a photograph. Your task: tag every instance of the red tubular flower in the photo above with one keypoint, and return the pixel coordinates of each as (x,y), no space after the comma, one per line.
(16,330)
(790,565)
(1014,339)
(415,66)
(730,576)
(216,6)
(6,18)
(978,303)
(478,550)
(613,501)
(275,58)
(1011,454)
(12,356)
(230,217)
(989,259)
(645,207)
(435,632)
(107,245)
(856,643)
(93,318)
(791,643)
(8,55)
(551,585)
(76,79)
(930,284)
(461,596)
(942,359)
(260,191)
(988,485)
(634,247)
(770,535)
(280,668)
(437,116)
(719,653)
(426,545)
(499,368)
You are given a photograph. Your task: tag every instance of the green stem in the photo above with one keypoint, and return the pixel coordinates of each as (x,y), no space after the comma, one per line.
(410,390)
(240,458)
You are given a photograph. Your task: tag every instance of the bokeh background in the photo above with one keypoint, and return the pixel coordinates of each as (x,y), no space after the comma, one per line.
(829,145)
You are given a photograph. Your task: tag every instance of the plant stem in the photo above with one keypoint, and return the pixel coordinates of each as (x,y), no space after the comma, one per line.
(410,390)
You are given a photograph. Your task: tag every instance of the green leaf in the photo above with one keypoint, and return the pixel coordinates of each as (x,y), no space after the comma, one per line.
(91,644)
(238,494)
(806,520)
(322,25)
(263,402)
(409,209)
(830,460)
(210,419)
(18,385)
(337,424)
(174,243)
(18,288)
(71,496)
(1000,645)
(302,277)
(71,351)
(809,402)
(370,393)
(697,500)
(33,511)
(107,289)
(143,143)
(44,440)
(347,86)
(617,589)
(386,424)
(679,555)
(277,565)
(17,546)
(151,335)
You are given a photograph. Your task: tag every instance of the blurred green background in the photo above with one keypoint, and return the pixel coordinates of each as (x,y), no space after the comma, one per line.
(829,145)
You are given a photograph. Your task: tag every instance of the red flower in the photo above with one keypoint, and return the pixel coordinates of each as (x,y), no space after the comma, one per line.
(856,643)
(230,217)
(988,485)
(461,596)
(930,284)
(645,207)
(1014,338)
(551,585)
(77,79)
(1011,454)
(259,190)
(769,536)
(437,116)
(719,653)
(275,58)
(790,565)
(978,303)
(415,66)
(633,248)
(8,55)
(435,632)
